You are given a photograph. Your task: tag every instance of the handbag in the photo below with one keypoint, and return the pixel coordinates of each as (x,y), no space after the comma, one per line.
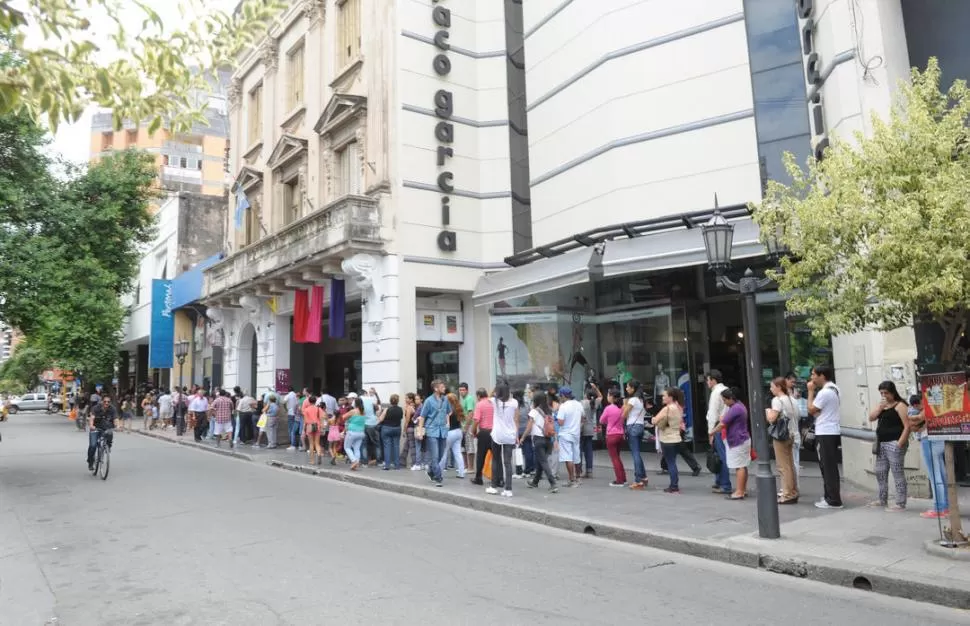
(487,467)
(713,461)
(262,421)
(419,432)
(779,430)
(518,458)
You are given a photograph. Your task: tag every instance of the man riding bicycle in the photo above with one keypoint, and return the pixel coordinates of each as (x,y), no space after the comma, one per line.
(101,420)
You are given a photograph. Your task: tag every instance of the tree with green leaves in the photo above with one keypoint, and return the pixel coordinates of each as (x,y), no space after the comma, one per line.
(69,249)
(879,230)
(119,54)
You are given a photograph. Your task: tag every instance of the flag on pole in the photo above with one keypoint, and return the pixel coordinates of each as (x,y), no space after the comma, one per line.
(242,203)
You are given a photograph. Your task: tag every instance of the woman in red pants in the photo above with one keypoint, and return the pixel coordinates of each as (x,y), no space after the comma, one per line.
(612,418)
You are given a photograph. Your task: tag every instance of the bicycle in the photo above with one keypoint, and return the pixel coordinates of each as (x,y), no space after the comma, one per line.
(102,457)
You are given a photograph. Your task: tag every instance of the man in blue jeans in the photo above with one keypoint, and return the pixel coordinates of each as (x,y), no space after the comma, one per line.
(434,418)
(715,409)
(100,422)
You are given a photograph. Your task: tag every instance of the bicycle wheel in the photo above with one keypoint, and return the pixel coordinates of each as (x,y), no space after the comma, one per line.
(97,460)
(105,464)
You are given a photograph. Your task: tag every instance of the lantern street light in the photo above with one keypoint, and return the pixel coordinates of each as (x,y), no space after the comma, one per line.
(181,351)
(718,241)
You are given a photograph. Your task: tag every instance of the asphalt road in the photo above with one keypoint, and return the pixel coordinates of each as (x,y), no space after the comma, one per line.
(179,536)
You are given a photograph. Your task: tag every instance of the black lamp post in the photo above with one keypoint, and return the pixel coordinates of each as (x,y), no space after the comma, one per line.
(181,351)
(718,241)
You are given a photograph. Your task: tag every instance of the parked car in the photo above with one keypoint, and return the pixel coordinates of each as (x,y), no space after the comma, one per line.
(29,402)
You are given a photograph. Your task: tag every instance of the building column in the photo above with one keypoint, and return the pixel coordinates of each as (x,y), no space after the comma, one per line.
(124,362)
(378,279)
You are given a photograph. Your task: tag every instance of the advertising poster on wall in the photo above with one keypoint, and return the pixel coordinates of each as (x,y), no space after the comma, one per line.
(946,405)
(282,380)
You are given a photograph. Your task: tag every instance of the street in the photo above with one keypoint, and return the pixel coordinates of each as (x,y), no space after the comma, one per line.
(179,536)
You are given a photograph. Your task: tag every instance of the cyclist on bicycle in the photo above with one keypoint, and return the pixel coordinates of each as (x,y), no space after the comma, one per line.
(100,422)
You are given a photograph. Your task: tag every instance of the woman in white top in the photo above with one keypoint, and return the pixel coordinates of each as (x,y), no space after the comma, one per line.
(634,412)
(505,429)
(541,445)
(783,407)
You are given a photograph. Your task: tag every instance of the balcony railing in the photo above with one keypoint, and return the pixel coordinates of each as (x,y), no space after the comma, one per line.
(347,225)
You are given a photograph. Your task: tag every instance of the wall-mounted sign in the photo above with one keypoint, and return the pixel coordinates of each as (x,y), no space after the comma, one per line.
(283,380)
(440,325)
(444,130)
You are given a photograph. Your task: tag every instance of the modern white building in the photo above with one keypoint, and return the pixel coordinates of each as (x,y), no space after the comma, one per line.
(514,189)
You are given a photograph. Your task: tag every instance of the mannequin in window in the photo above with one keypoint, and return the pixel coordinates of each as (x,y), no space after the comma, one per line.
(660,382)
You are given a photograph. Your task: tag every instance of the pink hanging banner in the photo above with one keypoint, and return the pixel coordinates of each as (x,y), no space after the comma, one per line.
(300,316)
(314,324)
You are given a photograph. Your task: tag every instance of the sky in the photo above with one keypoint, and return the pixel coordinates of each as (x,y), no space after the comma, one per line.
(72,141)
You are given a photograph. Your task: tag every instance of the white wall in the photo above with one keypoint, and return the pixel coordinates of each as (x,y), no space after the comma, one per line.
(162,252)
(581,103)
(481,153)
(852,93)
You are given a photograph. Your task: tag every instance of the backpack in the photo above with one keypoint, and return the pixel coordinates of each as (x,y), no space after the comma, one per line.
(549,427)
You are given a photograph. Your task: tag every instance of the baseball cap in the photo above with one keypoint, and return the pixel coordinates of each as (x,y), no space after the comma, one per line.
(566,391)
(352,395)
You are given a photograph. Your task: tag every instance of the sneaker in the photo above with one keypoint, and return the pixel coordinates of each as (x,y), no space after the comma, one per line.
(520,476)
(492,491)
(460,476)
(822,504)
(506,494)
(934,514)
(695,472)
(426,467)
(415,468)
(876,504)
(439,484)
(895,509)
(475,481)
(531,485)
(573,483)
(616,483)
(671,490)
(90,467)
(553,489)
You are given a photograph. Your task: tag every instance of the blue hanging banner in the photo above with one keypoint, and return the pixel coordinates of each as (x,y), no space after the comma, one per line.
(161,341)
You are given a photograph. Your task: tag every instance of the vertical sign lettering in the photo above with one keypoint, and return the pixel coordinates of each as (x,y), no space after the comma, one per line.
(444,130)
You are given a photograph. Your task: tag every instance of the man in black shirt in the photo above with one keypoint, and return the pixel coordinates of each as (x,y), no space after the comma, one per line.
(100,421)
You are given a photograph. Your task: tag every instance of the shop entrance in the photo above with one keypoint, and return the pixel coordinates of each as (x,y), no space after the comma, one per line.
(437,360)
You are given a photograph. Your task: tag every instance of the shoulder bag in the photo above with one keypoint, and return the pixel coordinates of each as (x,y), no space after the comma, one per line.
(779,429)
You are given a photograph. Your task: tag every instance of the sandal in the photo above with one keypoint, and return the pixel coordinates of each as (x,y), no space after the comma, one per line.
(789,501)
(734,497)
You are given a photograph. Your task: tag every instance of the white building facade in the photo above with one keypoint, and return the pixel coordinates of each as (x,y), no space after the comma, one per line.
(514,190)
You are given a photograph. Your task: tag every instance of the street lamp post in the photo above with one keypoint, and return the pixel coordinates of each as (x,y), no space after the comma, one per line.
(718,241)
(181,351)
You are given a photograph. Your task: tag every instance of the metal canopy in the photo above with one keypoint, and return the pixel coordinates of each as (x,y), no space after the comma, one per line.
(545,274)
(628,230)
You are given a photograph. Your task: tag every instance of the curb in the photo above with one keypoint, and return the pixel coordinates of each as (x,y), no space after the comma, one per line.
(198,446)
(819,570)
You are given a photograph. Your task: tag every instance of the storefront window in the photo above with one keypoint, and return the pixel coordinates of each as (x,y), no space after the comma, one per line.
(787,343)
(525,349)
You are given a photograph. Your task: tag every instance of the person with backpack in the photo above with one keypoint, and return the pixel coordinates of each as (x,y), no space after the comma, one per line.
(540,428)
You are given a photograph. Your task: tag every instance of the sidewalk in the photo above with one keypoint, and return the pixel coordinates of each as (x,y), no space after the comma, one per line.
(867,548)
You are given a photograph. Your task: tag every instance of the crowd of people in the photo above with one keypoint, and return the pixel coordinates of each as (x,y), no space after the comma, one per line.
(500,435)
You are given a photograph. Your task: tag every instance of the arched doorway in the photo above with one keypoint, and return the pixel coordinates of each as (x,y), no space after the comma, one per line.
(246,363)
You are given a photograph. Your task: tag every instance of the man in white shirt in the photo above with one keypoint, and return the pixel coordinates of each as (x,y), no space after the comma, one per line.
(715,409)
(291,402)
(165,408)
(570,418)
(199,406)
(825,404)
(329,404)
